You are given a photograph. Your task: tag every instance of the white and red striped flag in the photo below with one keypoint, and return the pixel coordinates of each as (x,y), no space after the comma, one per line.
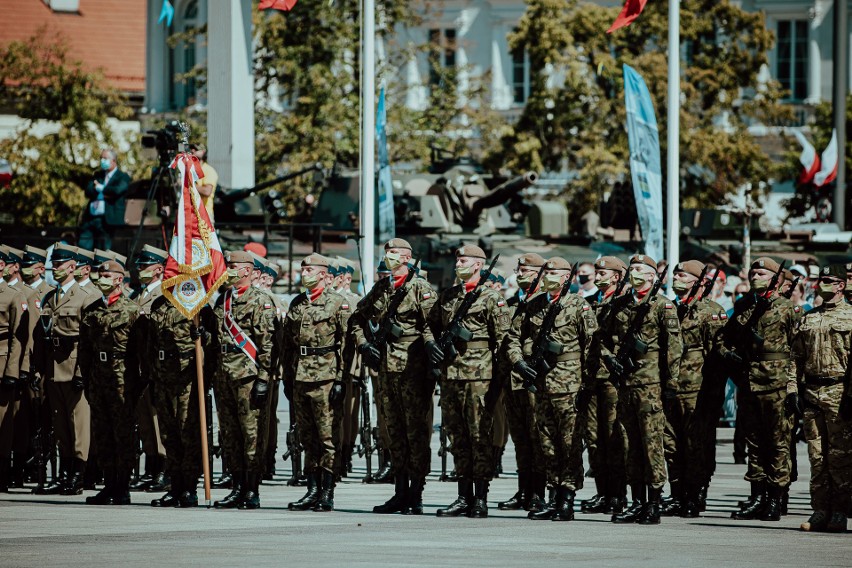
(828,171)
(196,266)
(808,158)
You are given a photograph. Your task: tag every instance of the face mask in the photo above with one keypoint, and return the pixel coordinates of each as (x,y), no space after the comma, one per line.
(28,274)
(525,281)
(78,273)
(758,285)
(7,272)
(582,279)
(233,275)
(680,286)
(465,272)
(637,279)
(60,274)
(604,283)
(392,260)
(826,291)
(105,164)
(105,285)
(551,282)
(94,277)
(310,282)
(145,276)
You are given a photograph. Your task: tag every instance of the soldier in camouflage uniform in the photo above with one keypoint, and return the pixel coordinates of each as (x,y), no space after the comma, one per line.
(245,325)
(500,436)
(109,357)
(568,346)
(520,404)
(655,363)
(701,319)
(765,390)
(406,394)
(468,394)
(314,330)
(820,353)
(604,433)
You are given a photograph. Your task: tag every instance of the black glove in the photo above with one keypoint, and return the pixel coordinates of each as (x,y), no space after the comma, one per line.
(78,384)
(585,395)
(32,381)
(259,394)
(613,365)
(372,355)
(336,394)
(196,332)
(846,408)
(525,371)
(8,382)
(733,357)
(792,405)
(436,356)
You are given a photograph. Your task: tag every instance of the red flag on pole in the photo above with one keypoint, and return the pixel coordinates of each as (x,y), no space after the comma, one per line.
(808,158)
(828,171)
(630,12)
(284,5)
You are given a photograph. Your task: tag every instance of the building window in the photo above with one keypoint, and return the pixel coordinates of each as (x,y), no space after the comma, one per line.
(520,77)
(792,63)
(442,53)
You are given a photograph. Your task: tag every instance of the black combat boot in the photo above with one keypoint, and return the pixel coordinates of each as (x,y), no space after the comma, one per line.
(545,513)
(702,497)
(397,503)
(537,487)
(74,483)
(785,501)
(172,497)
(251,491)
(414,499)
(58,482)
(632,513)
(689,509)
(564,509)
(772,510)
(159,481)
(757,490)
(519,499)
(5,472)
(188,497)
(384,473)
(753,511)
(498,460)
(651,513)
(310,498)
(142,482)
(226,480)
(233,499)
(818,522)
(596,504)
(670,507)
(18,471)
(325,502)
(104,496)
(462,503)
(121,489)
(479,510)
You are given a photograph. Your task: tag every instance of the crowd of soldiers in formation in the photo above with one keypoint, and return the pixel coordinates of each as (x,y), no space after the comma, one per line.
(632,377)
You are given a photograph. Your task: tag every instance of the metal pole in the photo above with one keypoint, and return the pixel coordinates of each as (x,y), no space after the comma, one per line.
(747,230)
(673,135)
(841,87)
(368,142)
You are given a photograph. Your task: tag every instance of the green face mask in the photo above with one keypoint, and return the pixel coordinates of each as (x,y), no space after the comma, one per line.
(28,274)
(60,274)
(826,290)
(681,286)
(310,282)
(525,281)
(465,273)
(551,282)
(759,285)
(105,285)
(392,260)
(603,283)
(94,276)
(233,275)
(145,276)
(7,272)
(637,279)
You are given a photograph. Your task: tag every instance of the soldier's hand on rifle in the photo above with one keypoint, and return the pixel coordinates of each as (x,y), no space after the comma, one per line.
(525,371)
(196,332)
(733,357)
(613,364)
(371,354)
(259,394)
(792,405)
(336,394)
(78,384)
(845,410)
(32,381)
(436,355)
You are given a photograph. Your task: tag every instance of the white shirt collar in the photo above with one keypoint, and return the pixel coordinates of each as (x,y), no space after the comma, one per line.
(36,283)
(152,286)
(66,287)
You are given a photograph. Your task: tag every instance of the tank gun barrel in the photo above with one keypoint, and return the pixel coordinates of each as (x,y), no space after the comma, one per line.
(237,194)
(503,192)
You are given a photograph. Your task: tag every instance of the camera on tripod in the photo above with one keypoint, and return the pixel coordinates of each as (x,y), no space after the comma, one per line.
(166,140)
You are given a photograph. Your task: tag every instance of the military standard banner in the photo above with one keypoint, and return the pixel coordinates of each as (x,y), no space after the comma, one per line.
(644,140)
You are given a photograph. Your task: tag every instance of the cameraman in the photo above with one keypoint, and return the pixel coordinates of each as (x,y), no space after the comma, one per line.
(106,194)
(206,185)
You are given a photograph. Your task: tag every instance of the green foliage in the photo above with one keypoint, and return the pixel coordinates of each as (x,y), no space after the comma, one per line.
(53,162)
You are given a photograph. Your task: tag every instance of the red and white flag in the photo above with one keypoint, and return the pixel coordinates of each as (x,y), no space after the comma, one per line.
(828,170)
(808,158)
(196,266)
(284,5)
(631,11)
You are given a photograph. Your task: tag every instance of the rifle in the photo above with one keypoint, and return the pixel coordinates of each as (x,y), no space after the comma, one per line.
(443,449)
(455,329)
(789,293)
(543,343)
(365,431)
(522,305)
(709,286)
(683,308)
(387,327)
(294,449)
(632,344)
(744,335)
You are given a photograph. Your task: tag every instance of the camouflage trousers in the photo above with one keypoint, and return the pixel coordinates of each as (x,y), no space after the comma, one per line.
(829,440)
(317,421)
(556,416)
(641,412)
(603,434)
(113,421)
(469,425)
(176,401)
(679,442)
(406,402)
(500,435)
(521,418)
(767,437)
(242,426)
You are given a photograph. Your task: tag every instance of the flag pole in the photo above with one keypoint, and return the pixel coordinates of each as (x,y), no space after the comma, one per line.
(368,143)
(202,413)
(673,137)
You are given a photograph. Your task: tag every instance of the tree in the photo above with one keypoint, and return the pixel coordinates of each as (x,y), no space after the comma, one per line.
(72,105)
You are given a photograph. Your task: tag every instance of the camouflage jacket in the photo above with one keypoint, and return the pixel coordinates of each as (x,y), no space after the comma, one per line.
(488,321)
(660,330)
(700,325)
(601,343)
(14,330)
(111,342)
(170,350)
(254,313)
(823,342)
(411,317)
(573,332)
(769,364)
(309,325)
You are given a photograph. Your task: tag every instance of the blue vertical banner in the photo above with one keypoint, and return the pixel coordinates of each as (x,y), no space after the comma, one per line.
(644,139)
(386,224)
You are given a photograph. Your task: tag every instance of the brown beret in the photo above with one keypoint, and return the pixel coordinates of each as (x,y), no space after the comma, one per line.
(471,251)
(240,256)
(766,263)
(643,259)
(610,263)
(111,266)
(531,259)
(558,263)
(693,267)
(397,243)
(315,259)
(788,275)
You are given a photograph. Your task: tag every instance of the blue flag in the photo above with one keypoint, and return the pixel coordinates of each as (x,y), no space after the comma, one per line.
(644,139)
(387,223)
(167,13)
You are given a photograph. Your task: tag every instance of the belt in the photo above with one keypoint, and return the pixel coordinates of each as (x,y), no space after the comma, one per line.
(405,338)
(105,356)
(649,355)
(162,354)
(230,348)
(823,381)
(305,350)
(772,356)
(473,344)
(573,356)
(693,350)
(64,340)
